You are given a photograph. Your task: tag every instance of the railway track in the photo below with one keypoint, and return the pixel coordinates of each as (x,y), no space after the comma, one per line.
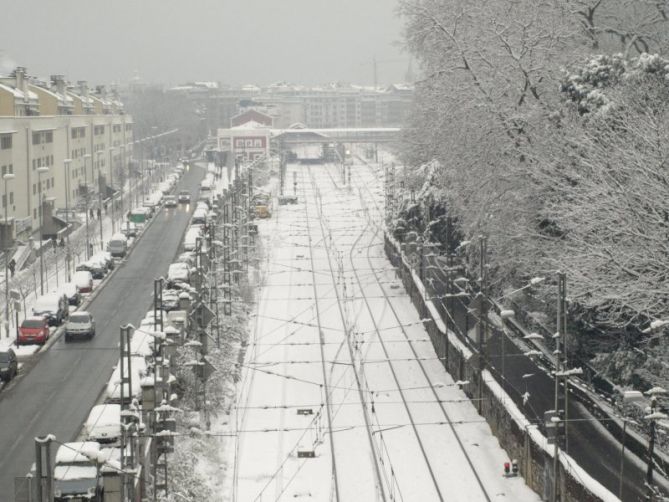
(418,360)
(380,481)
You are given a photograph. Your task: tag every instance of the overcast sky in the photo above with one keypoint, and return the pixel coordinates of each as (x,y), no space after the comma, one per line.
(232,41)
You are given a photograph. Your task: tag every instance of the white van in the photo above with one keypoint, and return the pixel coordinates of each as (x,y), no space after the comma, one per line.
(104,423)
(118,245)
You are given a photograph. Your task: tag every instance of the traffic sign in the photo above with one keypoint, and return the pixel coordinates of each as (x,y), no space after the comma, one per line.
(202,315)
(204,369)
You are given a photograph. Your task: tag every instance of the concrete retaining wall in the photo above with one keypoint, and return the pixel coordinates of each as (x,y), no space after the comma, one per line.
(521,440)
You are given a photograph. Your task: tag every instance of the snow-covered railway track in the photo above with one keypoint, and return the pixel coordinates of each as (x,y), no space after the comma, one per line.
(324,366)
(418,360)
(380,482)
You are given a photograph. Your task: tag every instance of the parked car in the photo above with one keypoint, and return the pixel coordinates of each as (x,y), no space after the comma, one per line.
(75,474)
(187,257)
(170,201)
(118,245)
(199,216)
(170,300)
(53,306)
(33,330)
(104,257)
(96,268)
(104,423)
(130,229)
(79,325)
(83,279)
(9,366)
(178,272)
(71,291)
(184,197)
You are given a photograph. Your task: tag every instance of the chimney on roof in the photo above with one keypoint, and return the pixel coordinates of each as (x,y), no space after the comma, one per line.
(20,75)
(58,81)
(83,88)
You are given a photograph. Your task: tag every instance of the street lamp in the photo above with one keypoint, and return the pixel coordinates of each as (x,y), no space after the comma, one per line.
(7,177)
(88,240)
(67,163)
(40,171)
(99,154)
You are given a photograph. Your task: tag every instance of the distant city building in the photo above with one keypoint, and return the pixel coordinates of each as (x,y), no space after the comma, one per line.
(330,106)
(44,123)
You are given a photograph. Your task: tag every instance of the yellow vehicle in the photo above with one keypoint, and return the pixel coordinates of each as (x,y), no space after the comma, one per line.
(262,205)
(262,211)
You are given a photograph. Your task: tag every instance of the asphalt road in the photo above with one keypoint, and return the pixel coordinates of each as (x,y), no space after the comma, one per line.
(56,395)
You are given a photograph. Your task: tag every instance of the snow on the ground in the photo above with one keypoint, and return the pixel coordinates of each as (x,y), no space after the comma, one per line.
(313,327)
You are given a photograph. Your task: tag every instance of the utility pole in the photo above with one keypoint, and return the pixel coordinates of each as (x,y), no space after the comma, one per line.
(43,467)
(227,292)
(483,318)
(561,302)
(126,383)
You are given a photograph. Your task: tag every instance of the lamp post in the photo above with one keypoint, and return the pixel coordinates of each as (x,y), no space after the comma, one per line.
(111,184)
(40,171)
(67,163)
(99,154)
(88,240)
(7,177)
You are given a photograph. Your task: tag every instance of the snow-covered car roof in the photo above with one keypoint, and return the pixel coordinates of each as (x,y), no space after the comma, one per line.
(78,451)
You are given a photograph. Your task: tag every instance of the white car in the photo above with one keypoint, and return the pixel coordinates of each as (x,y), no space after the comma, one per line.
(83,279)
(79,324)
(178,272)
(104,423)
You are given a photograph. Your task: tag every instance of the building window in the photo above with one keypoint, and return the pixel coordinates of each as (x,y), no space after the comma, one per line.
(10,168)
(48,137)
(4,170)
(5,141)
(11,197)
(78,132)
(37,138)
(34,189)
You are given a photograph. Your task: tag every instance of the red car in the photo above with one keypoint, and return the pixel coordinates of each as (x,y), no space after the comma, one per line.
(34,330)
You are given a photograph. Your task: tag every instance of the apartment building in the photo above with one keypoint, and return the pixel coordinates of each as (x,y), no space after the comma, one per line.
(335,105)
(84,139)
